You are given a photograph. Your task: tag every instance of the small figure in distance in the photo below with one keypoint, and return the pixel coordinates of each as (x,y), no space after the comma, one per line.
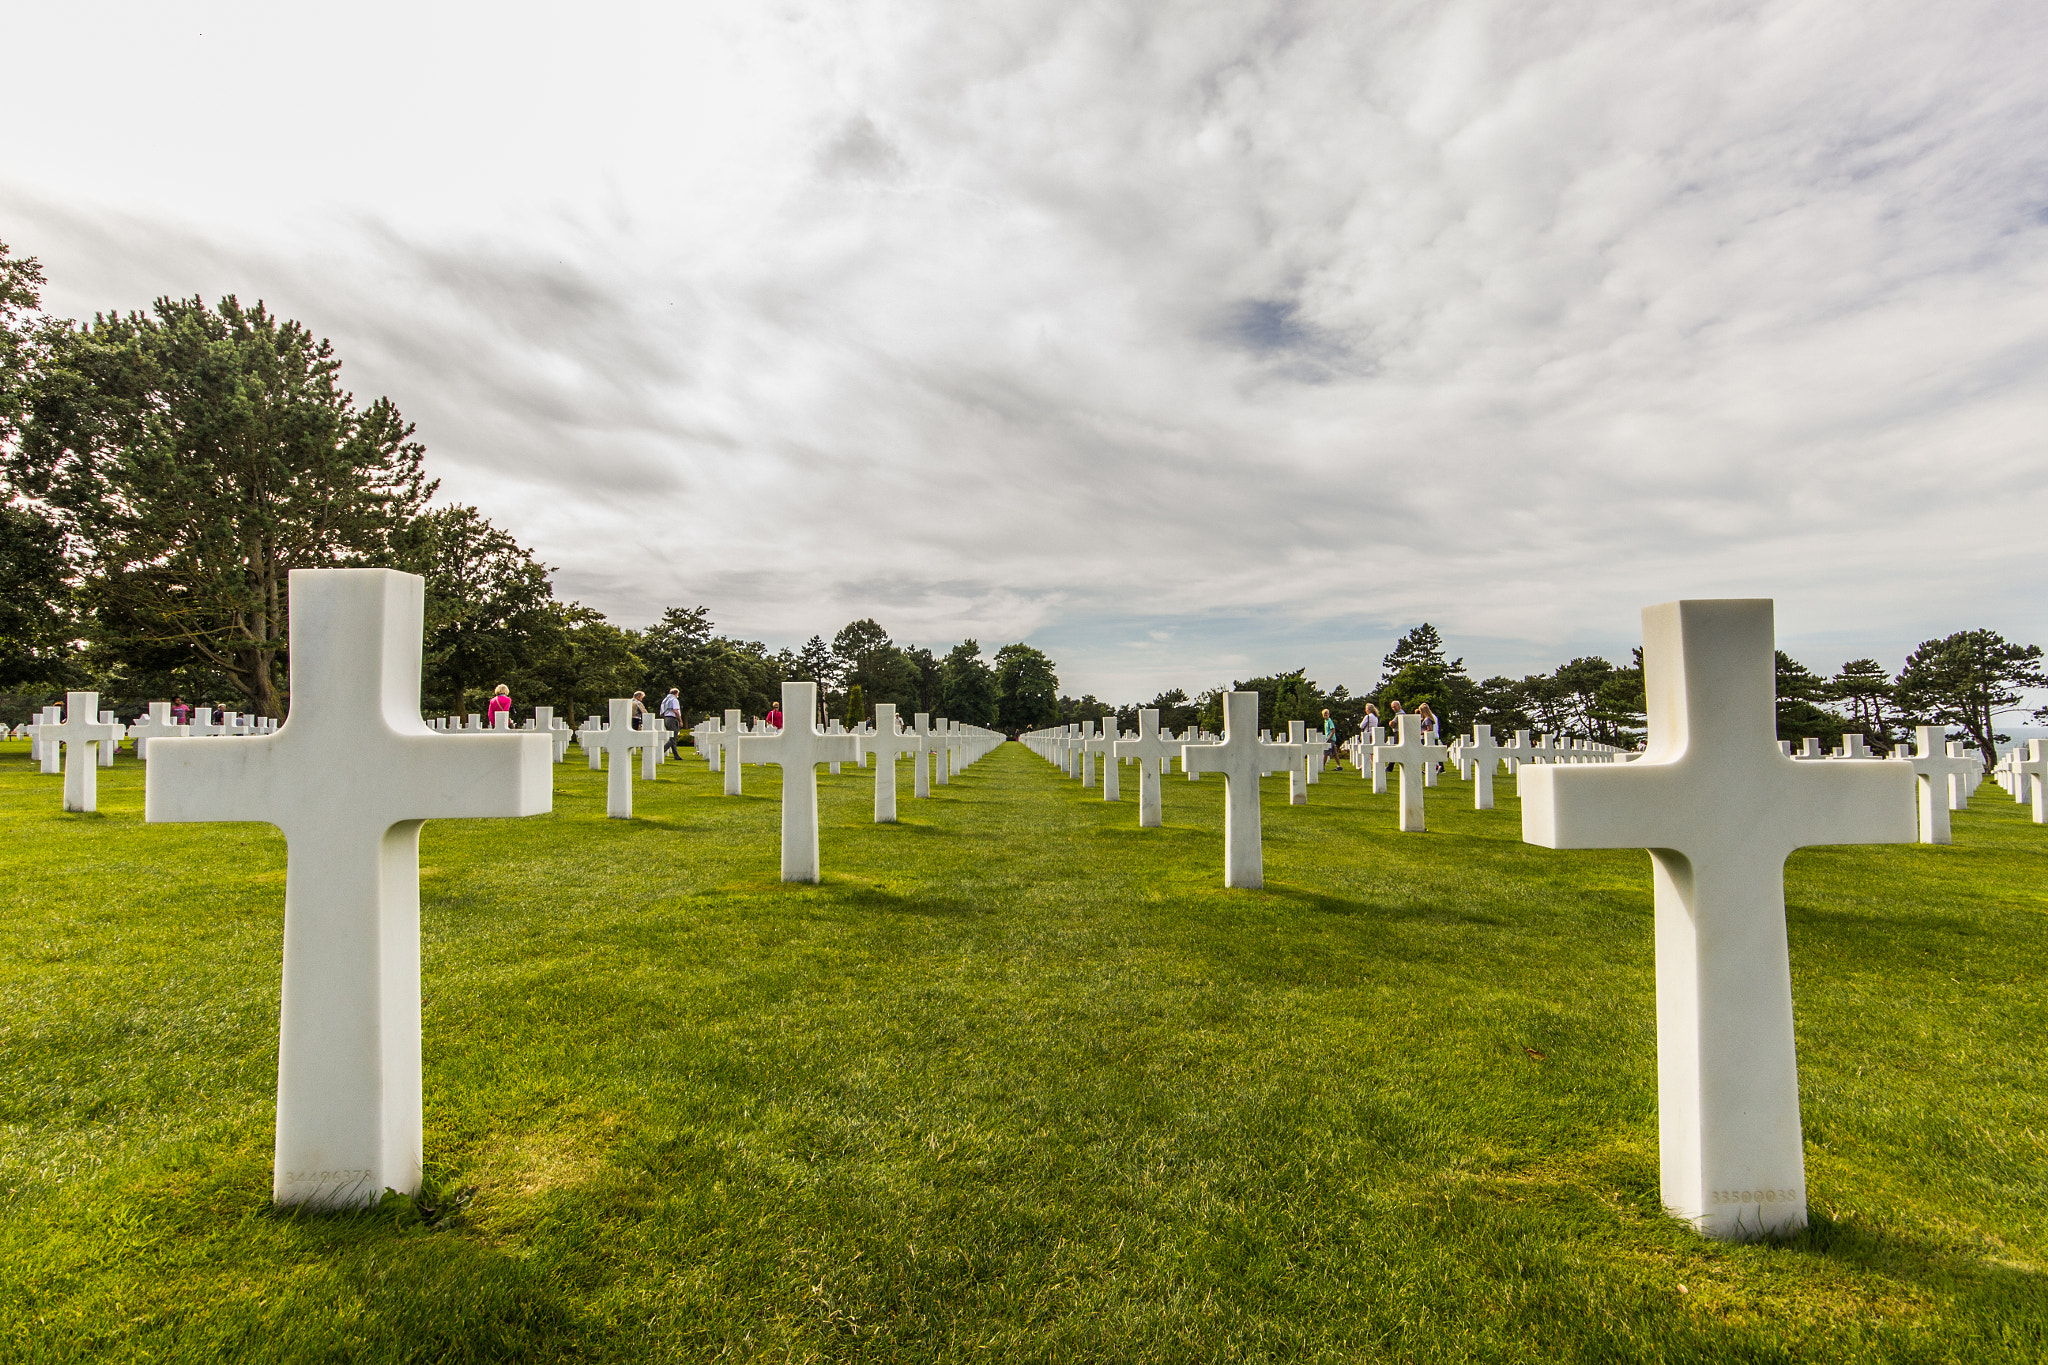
(672,718)
(501,700)
(1331,752)
(181,710)
(640,711)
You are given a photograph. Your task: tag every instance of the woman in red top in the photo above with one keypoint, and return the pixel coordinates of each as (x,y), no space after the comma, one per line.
(774,716)
(501,702)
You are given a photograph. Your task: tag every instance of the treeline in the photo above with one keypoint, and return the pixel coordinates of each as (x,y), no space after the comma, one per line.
(162,472)
(1963,682)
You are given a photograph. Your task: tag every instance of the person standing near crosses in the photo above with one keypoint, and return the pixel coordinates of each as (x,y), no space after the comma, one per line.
(501,701)
(672,717)
(181,711)
(773,720)
(1429,726)
(1330,749)
(640,711)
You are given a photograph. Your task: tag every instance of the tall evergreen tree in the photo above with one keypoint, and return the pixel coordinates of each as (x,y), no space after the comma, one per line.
(1027,688)
(1864,693)
(967,685)
(1416,671)
(489,608)
(194,456)
(1968,680)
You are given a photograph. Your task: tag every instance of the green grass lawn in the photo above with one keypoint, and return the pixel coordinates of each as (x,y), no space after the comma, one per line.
(1019,1081)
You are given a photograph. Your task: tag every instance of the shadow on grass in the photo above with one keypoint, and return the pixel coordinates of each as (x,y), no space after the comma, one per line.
(1435,911)
(1931,1265)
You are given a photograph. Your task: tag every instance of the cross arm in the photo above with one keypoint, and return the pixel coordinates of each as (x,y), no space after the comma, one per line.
(192,780)
(1645,805)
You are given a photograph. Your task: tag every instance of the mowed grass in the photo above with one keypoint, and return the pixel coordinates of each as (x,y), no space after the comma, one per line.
(1019,1081)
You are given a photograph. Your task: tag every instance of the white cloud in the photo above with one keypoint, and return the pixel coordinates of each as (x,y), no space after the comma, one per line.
(1248,331)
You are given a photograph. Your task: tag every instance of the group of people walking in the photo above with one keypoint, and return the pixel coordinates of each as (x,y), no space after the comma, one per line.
(1370,721)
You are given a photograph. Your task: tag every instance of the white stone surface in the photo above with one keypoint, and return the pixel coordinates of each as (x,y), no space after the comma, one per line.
(1935,766)
(1241,757)
(1719,809)
(1482,755)
(615,744)
(1151,749)
(80,735)
(349,778)
(887,744)
(1104,742)
(1418,759)
(798,750)
(927,741)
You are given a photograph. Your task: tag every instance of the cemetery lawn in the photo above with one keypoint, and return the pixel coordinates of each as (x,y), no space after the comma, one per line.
(1020,1081)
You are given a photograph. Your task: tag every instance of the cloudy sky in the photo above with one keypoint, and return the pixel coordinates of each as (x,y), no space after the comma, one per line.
(1185,340)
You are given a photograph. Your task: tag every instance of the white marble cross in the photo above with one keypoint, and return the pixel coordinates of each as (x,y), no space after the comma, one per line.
(616,743)
(1934,769)
(557,731)
(798,750)
(2033,771)
(1963,781)
(1297,771)
(1484,755)
(81,734)
(1719,809)
(942,753)
(1105,744)
(113,732)
(349,779)
(160,727)
(921,726)
(1241,757)
(1853,747)
(1417,760)
(1151,749)
(887,743)
(725,745)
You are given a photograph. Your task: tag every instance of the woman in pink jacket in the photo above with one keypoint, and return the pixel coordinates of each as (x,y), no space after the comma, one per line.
(501,702)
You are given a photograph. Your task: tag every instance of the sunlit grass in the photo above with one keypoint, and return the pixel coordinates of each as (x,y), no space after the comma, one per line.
(1018,1081)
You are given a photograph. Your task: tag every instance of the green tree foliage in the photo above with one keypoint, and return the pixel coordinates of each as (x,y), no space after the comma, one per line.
(1027,689)
(193,457)
(21,324)
(1620,713)
(856,643)
(490,609)
(967,685)
(1285,697)
(1864,694)
(1176,711)
(1088,707)
(580,663)
(1503,703)
(1416,671)
(1802,710)
(1968,680)
(856,707)
(931,680)
(39,624)
(814,663)
(670,646)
